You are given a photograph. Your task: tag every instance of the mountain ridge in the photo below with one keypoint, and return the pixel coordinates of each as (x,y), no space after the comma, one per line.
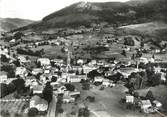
(117,13)
(7,24)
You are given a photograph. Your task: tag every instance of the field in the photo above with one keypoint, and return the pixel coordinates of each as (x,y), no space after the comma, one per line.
(9,104)
(107,102)
(155,29)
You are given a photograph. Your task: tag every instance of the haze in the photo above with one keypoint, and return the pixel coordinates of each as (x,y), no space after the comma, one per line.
(36,9)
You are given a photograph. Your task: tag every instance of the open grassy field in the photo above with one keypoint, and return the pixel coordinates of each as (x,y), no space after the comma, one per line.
(154,29)
(9,104)
(107,102)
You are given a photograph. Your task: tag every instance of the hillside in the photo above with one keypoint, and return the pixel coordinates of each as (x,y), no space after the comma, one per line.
(116,13)
(7,24)
(154,29)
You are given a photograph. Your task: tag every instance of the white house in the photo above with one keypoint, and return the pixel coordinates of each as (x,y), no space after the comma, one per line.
(76,78)
(3,77)
(44,61)
(39,103)
(57,61)
(35,71)
(129,99)
(157,103)
(146,106)
(22,59)
(93,62)
(108,83)
(68,99)
(98,79)
(80,61)
(143,60)
(21,71)
(37,89)
(87,69)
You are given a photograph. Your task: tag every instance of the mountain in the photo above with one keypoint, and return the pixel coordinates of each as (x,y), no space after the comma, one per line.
(117,13)
(7,24)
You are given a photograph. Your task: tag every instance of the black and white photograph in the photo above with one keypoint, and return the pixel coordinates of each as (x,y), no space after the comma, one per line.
(83,58)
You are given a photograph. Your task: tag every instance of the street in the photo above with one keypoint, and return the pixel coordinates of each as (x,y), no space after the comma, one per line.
(52,107)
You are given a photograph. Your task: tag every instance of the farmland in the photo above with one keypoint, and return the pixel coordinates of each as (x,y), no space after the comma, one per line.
(13,106)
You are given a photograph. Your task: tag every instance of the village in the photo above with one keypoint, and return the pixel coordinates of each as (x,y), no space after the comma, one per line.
(82,74)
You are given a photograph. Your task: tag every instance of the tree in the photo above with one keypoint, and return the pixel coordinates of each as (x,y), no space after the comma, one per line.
(38,76)
(90,98)
(11,87)
(60,110)
(18,35)
(38,64)
(123,53)
(19,83)
(136,94)
(9,69)
(54,79)
(17,63)
(70,87)
(27,57)
(77,72)
(156,79)
(48,92)
(150,96)
(32,112)
(4,90)
(129,41)
(86,86)
(4,58)
(82,71)
(84,112)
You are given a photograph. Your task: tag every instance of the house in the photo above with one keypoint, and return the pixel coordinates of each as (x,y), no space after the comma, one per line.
(55,85)
(80,61)
(151,60)
(44,61)
(57,61)
(108,83)
(87,69)
(46,71)
(101,63)
(3,77)
(125,61)
(12,41)
(98,79)
(143,60)
(127,71)
(21,71)
(76,78)
(22,59)
(77,68)
(157,104)
(37,89)
(129,99)
(39,103)
(61,89)
(68,99)
(74,93)
(107,37)
(35,71)
(146,106)
(93,62)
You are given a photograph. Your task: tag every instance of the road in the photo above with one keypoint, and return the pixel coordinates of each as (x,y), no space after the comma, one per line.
(52,107)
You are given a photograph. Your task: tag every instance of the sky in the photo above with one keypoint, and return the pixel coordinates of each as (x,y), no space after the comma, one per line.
(36,9)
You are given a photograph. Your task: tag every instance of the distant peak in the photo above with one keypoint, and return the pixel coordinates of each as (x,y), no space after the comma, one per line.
(83,4)
(87,5)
